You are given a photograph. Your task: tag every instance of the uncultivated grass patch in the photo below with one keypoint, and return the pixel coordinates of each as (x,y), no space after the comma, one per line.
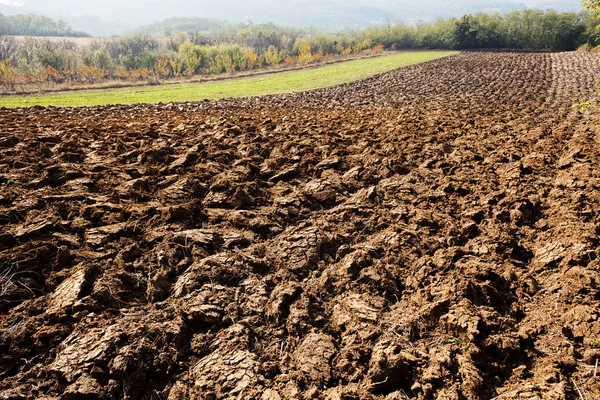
(284,82)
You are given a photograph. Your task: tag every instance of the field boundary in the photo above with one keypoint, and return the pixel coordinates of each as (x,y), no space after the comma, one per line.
(115,84)
(280,82)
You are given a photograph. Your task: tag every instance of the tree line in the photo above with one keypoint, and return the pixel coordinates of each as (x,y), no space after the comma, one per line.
(35,25)
(244,47)
(519,30)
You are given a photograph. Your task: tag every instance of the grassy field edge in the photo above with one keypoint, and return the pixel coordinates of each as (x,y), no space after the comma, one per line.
(276,83)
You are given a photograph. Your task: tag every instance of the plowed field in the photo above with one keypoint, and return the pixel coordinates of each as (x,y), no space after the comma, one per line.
(428,233)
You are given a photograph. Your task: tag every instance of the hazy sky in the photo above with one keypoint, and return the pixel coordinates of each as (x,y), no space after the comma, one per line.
(335,14)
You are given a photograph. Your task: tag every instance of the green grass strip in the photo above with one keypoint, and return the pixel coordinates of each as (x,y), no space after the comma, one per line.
(283,82)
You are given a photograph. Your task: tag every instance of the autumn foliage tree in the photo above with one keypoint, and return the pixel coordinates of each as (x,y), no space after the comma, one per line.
(8,74)
(273,56)
(305,55)
(592,6)
(192,56)
(593,9)
(176,63)
(251,58)
(162,66)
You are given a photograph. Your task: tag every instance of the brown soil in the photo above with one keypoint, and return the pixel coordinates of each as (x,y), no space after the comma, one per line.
(429,233)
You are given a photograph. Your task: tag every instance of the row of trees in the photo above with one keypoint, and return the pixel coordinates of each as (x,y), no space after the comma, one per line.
(35,25)
(37,60)
(529,29)
(521,30)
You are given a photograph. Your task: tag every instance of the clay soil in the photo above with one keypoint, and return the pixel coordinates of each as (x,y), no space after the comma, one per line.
(429,233)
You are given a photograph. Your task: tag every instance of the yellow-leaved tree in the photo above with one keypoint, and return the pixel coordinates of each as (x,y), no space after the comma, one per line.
(305,54)
(273,56)
(593,8)
(8,74)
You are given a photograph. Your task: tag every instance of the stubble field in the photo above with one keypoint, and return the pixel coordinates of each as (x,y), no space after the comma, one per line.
(428,233)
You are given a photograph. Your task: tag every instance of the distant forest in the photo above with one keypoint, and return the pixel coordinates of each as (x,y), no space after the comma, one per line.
(188,24)
(35,25)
